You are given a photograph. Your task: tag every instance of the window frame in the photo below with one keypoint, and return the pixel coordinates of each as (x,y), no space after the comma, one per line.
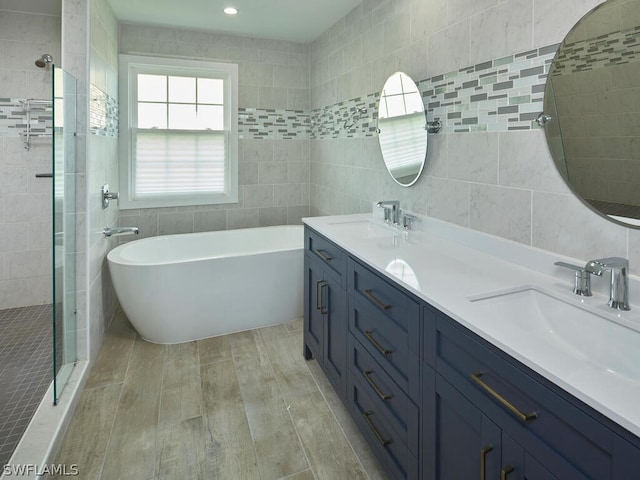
(129,67)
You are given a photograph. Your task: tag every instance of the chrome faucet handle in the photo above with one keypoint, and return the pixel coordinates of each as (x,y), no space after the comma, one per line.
(391,210)
(582,284)
(407,220)
(108,195)
(619,293)
(386,210)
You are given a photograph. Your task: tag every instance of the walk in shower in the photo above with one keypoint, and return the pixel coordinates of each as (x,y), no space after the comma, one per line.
(38,308)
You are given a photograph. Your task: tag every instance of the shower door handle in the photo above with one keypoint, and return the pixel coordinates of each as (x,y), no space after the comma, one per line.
(44,175)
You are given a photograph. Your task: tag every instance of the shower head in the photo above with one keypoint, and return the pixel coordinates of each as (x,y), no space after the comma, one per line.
(44,60)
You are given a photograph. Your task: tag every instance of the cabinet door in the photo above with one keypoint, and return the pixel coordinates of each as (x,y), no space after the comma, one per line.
(518,464)
(533,470)
(334,305)
(467,444)
(313,309)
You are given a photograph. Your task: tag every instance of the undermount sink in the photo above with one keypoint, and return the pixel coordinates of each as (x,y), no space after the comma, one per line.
(561,334)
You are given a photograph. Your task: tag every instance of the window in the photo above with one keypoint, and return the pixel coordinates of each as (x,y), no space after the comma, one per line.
(178,132)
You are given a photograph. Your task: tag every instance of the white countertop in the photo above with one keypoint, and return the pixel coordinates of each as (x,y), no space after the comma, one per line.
(438,265)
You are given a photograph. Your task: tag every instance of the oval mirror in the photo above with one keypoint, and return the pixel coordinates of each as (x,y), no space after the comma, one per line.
(401,129)
(592,99)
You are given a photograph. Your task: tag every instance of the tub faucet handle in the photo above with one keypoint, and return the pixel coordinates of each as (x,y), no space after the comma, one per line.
(108,195)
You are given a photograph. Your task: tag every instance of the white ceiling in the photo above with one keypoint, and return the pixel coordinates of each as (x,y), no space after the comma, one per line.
(294,20)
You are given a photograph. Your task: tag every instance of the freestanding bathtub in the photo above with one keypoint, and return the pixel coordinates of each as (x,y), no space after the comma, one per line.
(178,288)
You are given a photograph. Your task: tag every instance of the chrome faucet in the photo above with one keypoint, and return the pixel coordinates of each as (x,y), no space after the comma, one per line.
(407,220)
(619,294)
(582,285)
(109,231)
(391,210)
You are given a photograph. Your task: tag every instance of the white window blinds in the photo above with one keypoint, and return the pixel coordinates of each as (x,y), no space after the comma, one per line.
(181,133)
(172,162)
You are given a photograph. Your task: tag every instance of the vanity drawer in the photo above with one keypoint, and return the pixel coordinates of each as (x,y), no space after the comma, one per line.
(400,411)
(381,435)
(386,342)
(394,306)
(326,251)
(537,418)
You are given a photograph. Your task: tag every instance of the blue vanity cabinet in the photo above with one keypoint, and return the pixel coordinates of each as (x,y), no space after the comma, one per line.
(386,321)
(383,386)
(460,441)
(545,432)
(434,400)
(325,311)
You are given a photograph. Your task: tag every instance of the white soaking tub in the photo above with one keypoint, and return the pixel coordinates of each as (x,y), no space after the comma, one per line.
(178,288)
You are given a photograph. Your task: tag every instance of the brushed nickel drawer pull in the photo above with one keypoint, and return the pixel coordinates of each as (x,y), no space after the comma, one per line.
(323,255)
(483,461)
(506,470)
(378,435)
(381,349)
(371,297)
(506,403)
(367,375)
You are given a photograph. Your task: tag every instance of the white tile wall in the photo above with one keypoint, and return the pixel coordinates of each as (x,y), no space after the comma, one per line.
(273,173)
(25,202)
(501,183)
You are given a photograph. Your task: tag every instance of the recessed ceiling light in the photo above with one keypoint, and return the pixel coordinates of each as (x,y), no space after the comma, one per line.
(231,11)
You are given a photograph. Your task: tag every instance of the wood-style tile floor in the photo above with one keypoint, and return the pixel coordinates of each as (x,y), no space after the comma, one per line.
(241,406)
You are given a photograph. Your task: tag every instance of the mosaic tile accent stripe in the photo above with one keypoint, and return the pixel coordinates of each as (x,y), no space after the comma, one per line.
(353,118)
(272,123)
(103,113)
(500,95)
(495,96)
(615,48)
(16,113)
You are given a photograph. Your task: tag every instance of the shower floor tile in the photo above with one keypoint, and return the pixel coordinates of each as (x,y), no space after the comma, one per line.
(25,370)
(239,406)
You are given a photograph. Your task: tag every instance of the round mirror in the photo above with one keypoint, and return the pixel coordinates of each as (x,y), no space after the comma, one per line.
(592,103)
(401,129)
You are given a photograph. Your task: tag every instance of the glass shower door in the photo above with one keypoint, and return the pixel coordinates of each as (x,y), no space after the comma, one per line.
(64,229)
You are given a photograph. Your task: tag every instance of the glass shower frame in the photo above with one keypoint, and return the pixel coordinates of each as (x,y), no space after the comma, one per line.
(64,238)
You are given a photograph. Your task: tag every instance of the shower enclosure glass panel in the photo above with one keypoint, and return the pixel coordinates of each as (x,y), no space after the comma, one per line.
(64,229)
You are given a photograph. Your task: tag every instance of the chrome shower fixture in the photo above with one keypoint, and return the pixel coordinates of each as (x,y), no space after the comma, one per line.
(44,60)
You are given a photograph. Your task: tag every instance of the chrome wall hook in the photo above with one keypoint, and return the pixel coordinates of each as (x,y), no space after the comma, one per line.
(543,119)
(433,127)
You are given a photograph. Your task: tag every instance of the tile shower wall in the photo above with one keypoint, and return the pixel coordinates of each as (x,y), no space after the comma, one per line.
(500,182)
(25,202)
(274,129)
(90,55)
(102,164)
